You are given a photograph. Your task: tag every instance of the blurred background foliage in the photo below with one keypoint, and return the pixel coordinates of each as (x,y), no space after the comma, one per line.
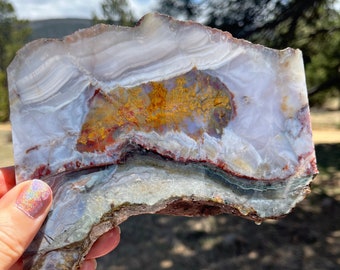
(13,35)
(115,12)
(311,25)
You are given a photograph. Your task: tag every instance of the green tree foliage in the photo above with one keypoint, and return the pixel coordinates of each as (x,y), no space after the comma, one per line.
(189,10)
(13,34)
(115,12)
(312,25)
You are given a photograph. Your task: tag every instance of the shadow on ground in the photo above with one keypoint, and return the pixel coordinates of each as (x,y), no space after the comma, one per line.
(308,238)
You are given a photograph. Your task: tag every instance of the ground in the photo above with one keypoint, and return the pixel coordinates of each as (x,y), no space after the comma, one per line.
(308,238)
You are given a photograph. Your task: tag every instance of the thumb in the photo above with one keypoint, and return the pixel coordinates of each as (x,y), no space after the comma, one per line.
(22,212)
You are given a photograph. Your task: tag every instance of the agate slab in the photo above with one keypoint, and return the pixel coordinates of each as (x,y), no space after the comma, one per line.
(165,117)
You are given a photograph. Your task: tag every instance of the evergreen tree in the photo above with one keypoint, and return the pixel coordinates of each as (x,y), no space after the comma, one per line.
(313,26)
(115,12)
(13,35)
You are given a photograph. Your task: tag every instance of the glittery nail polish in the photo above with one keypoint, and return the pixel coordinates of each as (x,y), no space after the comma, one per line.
(34,199)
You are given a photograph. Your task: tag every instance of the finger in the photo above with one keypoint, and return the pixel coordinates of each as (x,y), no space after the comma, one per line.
(22,212)
(7,179)
(90,264)
(17,266)
(105,244)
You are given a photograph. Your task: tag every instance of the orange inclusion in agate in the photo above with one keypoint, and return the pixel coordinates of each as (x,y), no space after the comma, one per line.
(193,103)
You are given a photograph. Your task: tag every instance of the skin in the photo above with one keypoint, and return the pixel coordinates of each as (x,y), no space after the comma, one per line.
(17,230)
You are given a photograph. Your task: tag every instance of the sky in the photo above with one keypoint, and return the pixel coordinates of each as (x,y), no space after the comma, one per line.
(48,9)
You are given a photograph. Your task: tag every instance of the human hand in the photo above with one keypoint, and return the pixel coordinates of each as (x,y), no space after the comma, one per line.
(23,209)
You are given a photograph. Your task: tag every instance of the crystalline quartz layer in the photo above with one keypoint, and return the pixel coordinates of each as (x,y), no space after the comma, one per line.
(166,117)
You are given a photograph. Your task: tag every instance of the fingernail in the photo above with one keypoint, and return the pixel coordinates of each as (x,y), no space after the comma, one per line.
(34,199)
(89,264)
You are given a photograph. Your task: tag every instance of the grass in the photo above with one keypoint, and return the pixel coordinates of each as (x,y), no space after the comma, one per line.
(6,148)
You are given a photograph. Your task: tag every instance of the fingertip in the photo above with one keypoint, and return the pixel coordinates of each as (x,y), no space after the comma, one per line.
(105,244)
(23,210)
(35,199)
(89,264)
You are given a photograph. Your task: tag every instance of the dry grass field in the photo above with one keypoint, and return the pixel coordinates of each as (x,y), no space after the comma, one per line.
(307,239)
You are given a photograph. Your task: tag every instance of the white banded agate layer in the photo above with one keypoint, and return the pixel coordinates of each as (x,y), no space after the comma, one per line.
(154,115)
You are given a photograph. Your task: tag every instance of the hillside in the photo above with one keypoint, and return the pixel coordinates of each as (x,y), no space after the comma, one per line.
(56,28)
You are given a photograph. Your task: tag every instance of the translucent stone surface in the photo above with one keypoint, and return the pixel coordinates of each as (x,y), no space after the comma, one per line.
(165,117)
